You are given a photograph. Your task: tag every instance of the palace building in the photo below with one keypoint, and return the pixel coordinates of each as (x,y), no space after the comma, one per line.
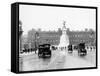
(53,37)
(37,37)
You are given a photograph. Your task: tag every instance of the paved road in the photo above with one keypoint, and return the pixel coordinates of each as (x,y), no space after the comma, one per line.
(59,60)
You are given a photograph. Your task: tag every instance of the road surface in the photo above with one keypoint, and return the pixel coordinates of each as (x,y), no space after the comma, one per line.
(58,60)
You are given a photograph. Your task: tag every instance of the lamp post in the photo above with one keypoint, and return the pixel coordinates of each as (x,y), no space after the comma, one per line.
(36,40)
(91,37)
(20,46)
(20,38)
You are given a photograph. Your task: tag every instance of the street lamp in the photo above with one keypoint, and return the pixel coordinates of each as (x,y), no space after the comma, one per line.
(20,45)
(91,37)
(20,29)
(36,40)
(20,38)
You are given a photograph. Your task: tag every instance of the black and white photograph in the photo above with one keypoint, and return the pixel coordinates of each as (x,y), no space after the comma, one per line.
(55,37)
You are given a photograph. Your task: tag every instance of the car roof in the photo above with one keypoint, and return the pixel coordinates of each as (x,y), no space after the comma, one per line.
(82,44)
(44,44)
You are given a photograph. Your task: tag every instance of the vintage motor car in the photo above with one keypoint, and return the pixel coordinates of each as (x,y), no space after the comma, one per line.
(70,50)
(44,51)
(53,48)
(81,49)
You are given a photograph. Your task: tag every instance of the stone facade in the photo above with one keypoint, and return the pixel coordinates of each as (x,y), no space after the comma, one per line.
(53,37)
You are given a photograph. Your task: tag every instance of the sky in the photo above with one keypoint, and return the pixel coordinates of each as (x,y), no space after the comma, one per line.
(51,18)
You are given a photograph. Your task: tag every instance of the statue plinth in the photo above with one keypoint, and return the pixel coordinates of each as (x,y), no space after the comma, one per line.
(64,39)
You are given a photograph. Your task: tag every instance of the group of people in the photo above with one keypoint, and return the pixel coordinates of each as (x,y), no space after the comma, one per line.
(71,47)
(29,50)
(90,48)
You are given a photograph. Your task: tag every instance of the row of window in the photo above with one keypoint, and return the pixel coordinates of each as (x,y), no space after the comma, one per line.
(49,41)
(69,35)
(51,36)
(78,40)
(69,40)
(78,35)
